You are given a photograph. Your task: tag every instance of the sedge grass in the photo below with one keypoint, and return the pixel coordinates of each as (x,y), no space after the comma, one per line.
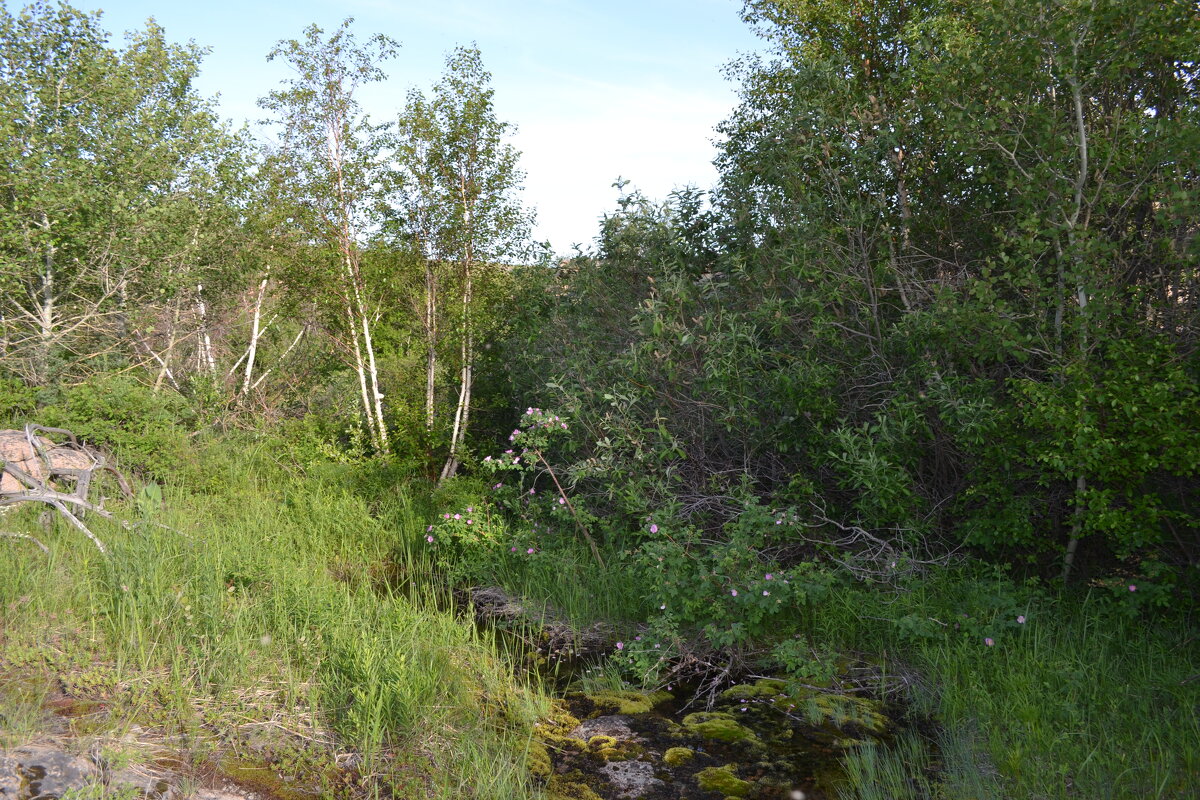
(1079,699)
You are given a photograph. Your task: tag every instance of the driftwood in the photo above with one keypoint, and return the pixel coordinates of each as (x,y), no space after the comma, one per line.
(35,469)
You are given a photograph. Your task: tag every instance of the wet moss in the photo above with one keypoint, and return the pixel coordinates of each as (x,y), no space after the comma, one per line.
(718,726)
(724,780)
(678,756)
(610,748)
(613,702)
(766,688)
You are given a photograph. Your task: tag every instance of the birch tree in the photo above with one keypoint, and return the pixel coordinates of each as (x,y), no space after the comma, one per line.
(459,180)
(331,153)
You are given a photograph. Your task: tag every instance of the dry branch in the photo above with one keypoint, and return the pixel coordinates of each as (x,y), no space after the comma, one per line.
(33,469)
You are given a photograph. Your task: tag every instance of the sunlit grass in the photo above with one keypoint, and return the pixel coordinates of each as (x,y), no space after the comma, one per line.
(269,594)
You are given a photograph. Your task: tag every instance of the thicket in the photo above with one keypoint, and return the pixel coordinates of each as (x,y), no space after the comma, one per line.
(943,298)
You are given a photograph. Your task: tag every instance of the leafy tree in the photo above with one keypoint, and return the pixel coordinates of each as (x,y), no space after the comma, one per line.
(945,292)
(116,184)
(457,183)
(328,167)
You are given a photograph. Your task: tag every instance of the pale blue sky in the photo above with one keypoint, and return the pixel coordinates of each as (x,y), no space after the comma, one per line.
(597,89)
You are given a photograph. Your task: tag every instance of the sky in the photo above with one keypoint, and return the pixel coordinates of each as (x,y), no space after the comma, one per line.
(598,89)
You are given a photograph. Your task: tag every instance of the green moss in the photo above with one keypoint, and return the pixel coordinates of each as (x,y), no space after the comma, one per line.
(678,756)
(723,780)
(612,749)
(760,689)
(555,728)
(844,712)
(613,702)
(559,789)
(537,760)
(718,726)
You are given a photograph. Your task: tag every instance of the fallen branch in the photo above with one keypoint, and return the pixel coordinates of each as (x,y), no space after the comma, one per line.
(43,547)
(33,466)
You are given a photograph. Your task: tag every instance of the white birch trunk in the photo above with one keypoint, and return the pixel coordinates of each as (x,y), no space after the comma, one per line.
(208,363)
(255,332)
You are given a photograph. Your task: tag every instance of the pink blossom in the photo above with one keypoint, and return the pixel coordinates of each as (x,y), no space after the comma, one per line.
(653,528)
(1132,588)
(733,592)
(769,576)
(429,539)
(529,551)
(620,645)
(988,641)
(470,522)
(562,500)
(766,593)
(532,490)
(513,549)
(1021,620)
(458,516)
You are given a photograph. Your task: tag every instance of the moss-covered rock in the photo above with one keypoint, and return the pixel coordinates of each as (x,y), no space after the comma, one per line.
(718,726)
(554,730)
(678,756)
(613,702)
(562,789)
(723,780)
(845,713)
(764,689)
(609,748)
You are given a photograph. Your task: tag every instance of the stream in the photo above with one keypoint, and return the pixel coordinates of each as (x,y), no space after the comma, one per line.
(760,739)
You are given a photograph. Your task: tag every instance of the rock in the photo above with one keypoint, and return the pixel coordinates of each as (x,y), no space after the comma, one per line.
(43,773)
(616,726)
(146,784)
(631,778)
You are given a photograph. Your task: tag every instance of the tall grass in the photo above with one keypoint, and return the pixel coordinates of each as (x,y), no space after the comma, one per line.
(281,590)
(1080,700)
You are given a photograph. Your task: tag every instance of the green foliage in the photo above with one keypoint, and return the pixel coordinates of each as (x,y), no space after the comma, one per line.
(146,429)
(17,400)
(116,190)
